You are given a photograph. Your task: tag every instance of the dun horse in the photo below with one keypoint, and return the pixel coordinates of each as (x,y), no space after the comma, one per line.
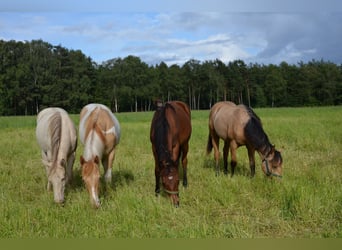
(99,133)
(169,135)
(238,125)
(57,138)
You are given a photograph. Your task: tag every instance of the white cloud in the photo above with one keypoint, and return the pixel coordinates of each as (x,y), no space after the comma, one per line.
(175,37)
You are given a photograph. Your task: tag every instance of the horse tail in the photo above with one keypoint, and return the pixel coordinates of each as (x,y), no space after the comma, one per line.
(55,131)
(210,144)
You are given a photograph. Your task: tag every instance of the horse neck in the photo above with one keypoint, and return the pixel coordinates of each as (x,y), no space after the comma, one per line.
(264,151)
(55,127)
(257,137)
(93,145)
(161,137)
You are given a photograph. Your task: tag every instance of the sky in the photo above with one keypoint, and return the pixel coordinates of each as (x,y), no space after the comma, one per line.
(259,31)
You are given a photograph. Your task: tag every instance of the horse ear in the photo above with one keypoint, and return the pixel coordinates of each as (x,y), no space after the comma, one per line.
(158,104)
(96,159)
(272,150)
(63,162)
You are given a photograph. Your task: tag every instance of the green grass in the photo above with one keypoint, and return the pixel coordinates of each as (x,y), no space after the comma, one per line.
(307,203)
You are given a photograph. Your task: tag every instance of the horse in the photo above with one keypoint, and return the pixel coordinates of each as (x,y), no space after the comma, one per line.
(238,125)
(57,138)
(169,135)
(99,132)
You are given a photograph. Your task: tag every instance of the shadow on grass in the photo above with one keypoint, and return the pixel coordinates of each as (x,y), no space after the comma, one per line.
(119,178)
(240,169)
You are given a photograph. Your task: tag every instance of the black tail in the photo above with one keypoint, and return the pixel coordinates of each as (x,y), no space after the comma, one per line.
(210,144)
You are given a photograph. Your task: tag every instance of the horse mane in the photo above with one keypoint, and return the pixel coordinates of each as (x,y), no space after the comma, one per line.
(255,133)
(161,130)
(55,127)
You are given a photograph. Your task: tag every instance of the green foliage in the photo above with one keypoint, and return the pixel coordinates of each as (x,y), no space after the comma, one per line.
(307,203)
(36,74)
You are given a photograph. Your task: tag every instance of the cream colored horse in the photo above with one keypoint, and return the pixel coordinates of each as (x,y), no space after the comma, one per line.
(57,138)
(99,133)
(238,125)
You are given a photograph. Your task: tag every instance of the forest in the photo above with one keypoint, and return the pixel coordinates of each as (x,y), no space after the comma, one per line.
(35,74)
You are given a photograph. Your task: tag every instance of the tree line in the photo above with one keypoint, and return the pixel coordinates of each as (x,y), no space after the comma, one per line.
(35,74)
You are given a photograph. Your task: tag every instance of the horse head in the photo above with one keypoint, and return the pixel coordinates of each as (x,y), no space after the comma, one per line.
(56,178)
(272,164)
(91,178)
(170,181)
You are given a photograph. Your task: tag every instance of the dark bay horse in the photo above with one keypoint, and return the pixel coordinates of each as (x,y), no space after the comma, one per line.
(170,133)
(238,125)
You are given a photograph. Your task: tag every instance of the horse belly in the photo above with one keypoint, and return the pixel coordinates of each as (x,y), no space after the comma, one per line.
(221,128)
(43,138)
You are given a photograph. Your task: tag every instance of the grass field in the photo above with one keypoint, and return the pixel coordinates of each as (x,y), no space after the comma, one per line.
(307,203)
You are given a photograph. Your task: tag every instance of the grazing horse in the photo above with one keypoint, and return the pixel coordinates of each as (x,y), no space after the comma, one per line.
(238,125)
(57,138)
(99,133)
(170,133)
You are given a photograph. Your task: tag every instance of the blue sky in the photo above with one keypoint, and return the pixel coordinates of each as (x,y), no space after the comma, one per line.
(176,31)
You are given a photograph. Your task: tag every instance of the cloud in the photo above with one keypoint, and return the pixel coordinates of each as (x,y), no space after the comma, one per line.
(175,37)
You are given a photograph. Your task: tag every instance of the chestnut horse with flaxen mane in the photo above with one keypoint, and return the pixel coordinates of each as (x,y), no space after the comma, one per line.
(238,125)
(99,133)
(169,135)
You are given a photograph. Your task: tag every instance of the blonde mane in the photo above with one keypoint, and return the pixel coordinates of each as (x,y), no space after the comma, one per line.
(55,127)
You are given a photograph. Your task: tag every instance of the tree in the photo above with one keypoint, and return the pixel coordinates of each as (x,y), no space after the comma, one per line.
(275,86)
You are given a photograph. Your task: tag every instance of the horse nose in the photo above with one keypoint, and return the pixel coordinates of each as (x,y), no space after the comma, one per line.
(95,202)
(59,201)
(175,200)
(97,205)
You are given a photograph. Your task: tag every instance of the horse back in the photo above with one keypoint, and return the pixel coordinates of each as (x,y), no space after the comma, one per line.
(228,120)
(181,120)
(98,118)
(56,133)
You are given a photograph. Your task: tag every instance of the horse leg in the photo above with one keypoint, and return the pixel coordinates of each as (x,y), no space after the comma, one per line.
(233,162)
(107,163)
(156,173)
(69,165)
(225,156)
(251,155)
(45,160)
(185,149)
(216,143)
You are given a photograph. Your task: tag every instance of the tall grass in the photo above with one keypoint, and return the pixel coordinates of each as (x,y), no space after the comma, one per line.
(306,203)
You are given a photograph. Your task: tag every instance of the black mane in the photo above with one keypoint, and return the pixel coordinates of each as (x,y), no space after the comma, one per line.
(161,130)
(255,134)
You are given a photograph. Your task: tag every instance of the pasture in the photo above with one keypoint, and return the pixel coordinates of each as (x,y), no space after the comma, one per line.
(307,203)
